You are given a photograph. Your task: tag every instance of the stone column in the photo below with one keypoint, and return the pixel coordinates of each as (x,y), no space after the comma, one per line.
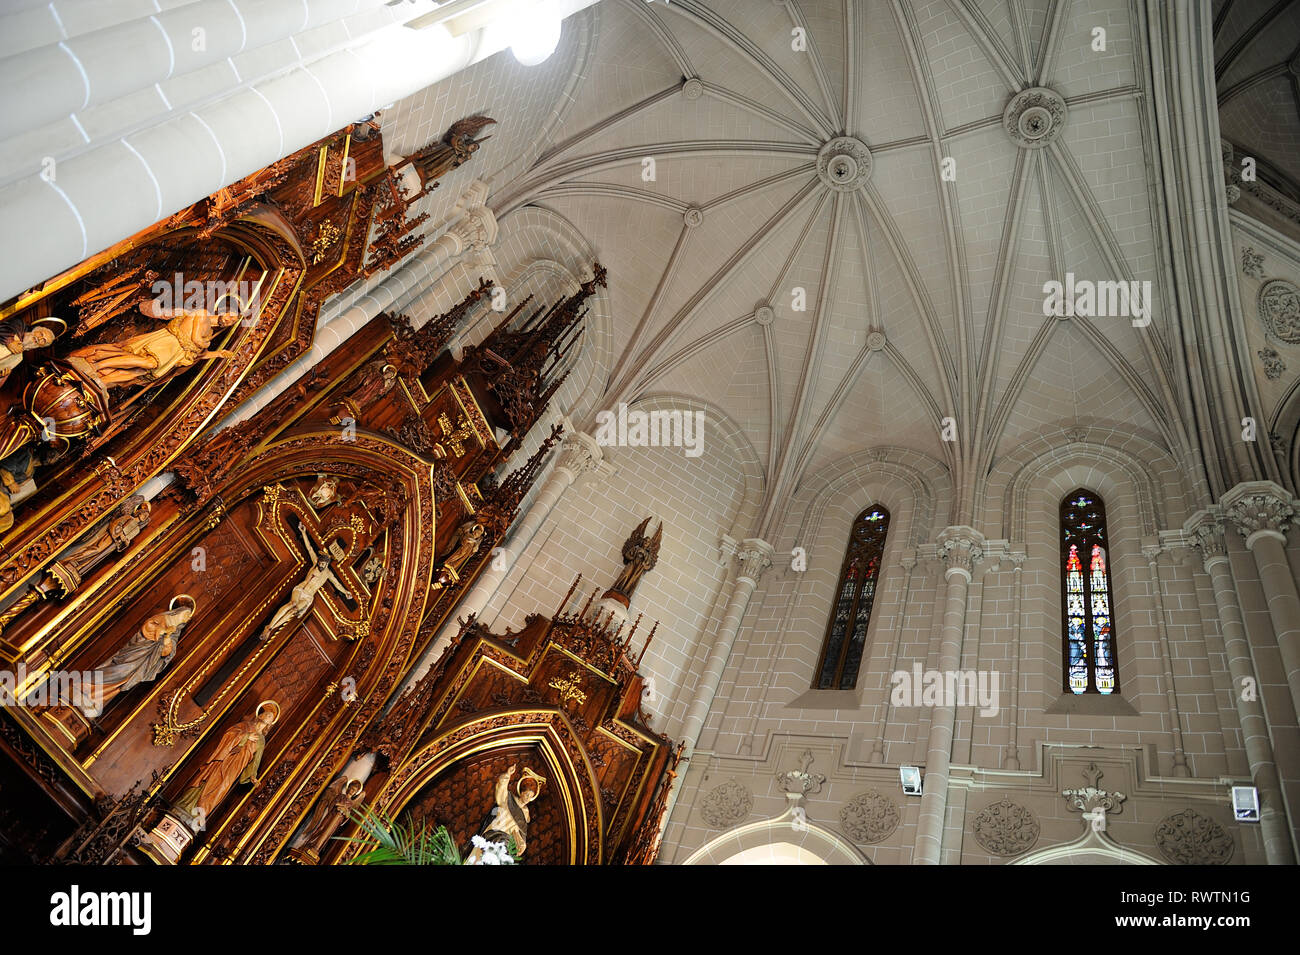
(1152,554)
(1262,511)
(1012,760)
(961,548)
(1206,534)
(755,556)
(578,454)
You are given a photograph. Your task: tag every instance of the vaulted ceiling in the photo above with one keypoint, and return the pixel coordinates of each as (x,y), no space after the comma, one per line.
(690,160)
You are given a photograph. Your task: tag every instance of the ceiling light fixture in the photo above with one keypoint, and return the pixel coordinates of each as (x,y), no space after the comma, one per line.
(534,33)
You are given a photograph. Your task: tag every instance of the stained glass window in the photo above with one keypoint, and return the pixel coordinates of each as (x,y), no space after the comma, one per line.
(1090,665)
(846,635)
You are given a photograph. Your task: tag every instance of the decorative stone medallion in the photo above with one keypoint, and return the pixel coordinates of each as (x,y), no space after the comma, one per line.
(1189,838)
(844,163)
(1005,828)
(1034,117)
(764,315)
(693,216)
(875,340)
(1279,310)
(692,89)
(869,817)
(726,805)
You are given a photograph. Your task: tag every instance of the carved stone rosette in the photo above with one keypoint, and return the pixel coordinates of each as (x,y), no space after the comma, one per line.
(1189,838)
(1279,310)
(843,163)
(1034,117)
(726,805)
(1005,828)
(869,817)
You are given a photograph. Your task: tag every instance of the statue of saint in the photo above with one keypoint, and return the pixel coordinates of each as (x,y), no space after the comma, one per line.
(332,809)
(457,146)
(149,651)
(510,816)
(640,553)
(67,573)
(16,339)
(237,759)
(464,545)
(303,595)
(150,356)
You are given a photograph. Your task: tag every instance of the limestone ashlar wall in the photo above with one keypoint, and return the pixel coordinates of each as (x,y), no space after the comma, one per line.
(699,500)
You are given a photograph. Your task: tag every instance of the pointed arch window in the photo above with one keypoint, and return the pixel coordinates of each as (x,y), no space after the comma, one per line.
(1090,664)
(846,634)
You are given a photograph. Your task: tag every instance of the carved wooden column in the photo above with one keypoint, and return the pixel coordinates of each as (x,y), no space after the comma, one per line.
(1206,534)
(1262,512)
(961,548)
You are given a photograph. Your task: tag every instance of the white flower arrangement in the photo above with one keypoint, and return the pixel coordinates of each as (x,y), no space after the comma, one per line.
(490,853)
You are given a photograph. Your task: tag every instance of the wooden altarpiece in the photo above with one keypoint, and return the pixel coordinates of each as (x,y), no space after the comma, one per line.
(302,560)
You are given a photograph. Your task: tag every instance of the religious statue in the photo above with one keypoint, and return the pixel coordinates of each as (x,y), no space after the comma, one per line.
(151,356)
(140,660)
(16,339)
(457,146)
(334,807)
(640,553)
(67,573)
(509,818)
(376,380)
(325,492)
(464,545)
(237,759)
(303,595)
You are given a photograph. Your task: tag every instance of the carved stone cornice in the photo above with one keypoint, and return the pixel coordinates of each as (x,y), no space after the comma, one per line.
(755,556)
(960,548)
(1259,509)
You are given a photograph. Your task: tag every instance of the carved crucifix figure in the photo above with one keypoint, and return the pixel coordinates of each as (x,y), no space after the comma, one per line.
(304,594)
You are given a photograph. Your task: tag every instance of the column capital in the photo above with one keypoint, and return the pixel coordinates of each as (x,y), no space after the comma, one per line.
(755,556)
(727,547)
(1204,531)
(1259,509)
(961,548)
(579,452)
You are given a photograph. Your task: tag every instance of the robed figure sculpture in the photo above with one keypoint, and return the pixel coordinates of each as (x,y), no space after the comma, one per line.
(237,759)
(140,660)
(509,818)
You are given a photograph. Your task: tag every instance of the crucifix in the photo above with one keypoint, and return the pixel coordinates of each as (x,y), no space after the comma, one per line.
(301,599)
